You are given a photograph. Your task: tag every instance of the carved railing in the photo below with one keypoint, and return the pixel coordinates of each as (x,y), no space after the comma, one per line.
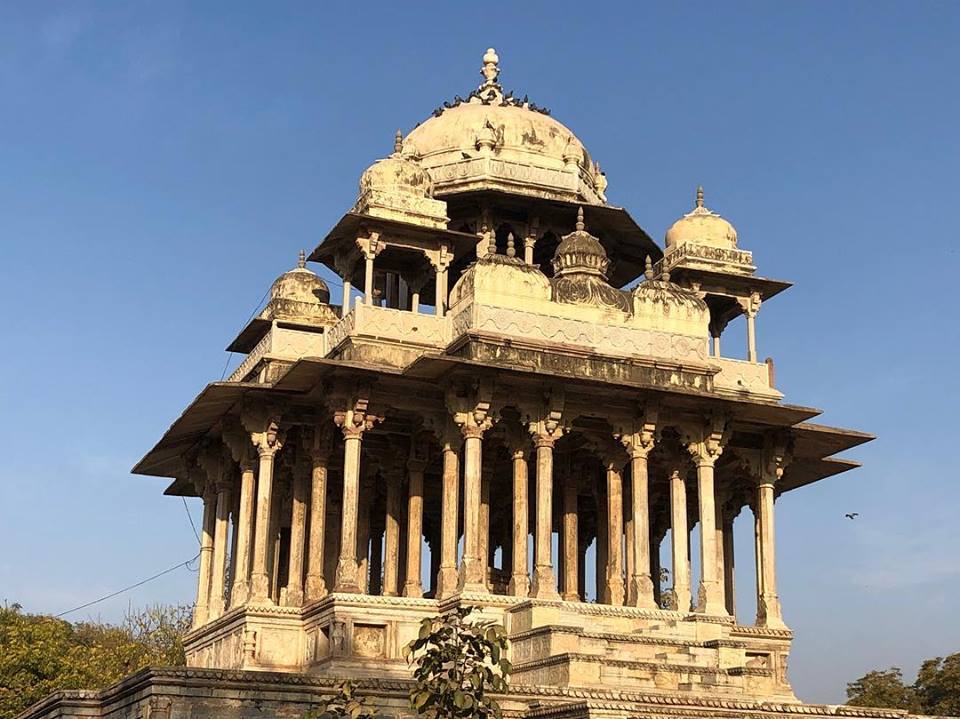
(740,376)
(740,259)
(384,323)
(281,343)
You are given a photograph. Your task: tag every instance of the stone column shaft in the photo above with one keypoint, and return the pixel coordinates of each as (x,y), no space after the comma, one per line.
(485,563)
(679,541)
(391,565)
(316,586)
(413,587)
(449,531)
(260,578)
(345,307)
(520,571)
(241,580)
(640,579)
(729,566)
(201,608)
(571,555)
(712,588)
(614,585)
(544,585)
(219,568)
(368,280)
(471,568)
(769,613)
(348,579)
(298,536)
(751,338)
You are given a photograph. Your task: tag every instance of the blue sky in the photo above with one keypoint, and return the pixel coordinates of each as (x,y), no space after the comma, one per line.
(161,163)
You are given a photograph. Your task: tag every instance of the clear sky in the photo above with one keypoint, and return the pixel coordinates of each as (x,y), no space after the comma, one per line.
(162,163)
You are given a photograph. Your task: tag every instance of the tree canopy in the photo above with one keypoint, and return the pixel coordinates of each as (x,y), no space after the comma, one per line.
(935,691)
(40,654)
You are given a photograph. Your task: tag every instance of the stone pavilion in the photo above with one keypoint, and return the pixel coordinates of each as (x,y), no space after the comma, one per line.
(516,400)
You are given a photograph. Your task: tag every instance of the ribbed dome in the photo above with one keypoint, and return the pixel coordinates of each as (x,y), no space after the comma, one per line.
(501,280)
(580,252)
(400,172)
(530,147)
(702,226)
(298,295)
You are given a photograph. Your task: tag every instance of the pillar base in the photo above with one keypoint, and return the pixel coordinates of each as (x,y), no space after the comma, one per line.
(316,588)
(544,585)
(348,580)
(614,592)
(447,582)
(641,592)
(519,585)
(768,613)
(293,597)
(413,589)
(260,590)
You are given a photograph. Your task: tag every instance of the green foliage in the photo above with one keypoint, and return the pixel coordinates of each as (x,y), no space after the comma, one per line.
(936,690)
(40,654)
(881,689)
(345,704)
(938,686)
(457,662)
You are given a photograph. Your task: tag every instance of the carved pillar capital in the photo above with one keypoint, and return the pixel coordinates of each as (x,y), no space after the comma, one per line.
(639,435)
(356,418)
(705,442)
(370,245)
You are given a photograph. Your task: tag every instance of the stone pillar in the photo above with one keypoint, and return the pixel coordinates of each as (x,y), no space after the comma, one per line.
(450,510)
(363,539)
(530,241)
(571,555)
(413,587)
(218,576)
(544,585)
(352,422)
(614,584)
(244,529)
(345,306)
(268,444)
(368,279)
(392,537)
(768,602)
(679,536)
(201,608)
(298,535)
(440,263)
(316,586)
(374,573)
(486,479)
(729,565)
(520,571)
(710,596)
(750,308)
(641,581)
(471,568)
(404,301)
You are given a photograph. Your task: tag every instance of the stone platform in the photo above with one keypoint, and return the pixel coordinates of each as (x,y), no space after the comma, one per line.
(574,645)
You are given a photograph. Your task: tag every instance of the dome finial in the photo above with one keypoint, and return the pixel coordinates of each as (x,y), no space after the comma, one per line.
(648,268)
(302,260)
(398,142)
(580,225)
(700,196)
(491,68)
(511,250)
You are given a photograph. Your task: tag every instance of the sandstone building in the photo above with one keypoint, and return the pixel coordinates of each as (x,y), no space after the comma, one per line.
(482,416)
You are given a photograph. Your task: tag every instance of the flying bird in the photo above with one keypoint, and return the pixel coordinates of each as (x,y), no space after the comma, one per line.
(852,515)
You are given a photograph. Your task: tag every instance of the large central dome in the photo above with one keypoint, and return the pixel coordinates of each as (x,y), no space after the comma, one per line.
(492,140)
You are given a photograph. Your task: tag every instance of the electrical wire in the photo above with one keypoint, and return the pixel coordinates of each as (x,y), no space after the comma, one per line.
(190,517)
(127,589)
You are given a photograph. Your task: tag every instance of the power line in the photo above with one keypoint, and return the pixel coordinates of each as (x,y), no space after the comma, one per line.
(190,517)
(127,589)
(255,309)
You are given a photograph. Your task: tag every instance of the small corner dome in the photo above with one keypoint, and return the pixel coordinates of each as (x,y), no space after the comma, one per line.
(661,304)
(580,252)
(702,226)
(400,172)
(299,285)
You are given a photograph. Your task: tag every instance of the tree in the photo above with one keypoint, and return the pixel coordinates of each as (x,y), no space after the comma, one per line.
(457,662)
(938,686)
(345,704)
(40,654)
(882,689)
